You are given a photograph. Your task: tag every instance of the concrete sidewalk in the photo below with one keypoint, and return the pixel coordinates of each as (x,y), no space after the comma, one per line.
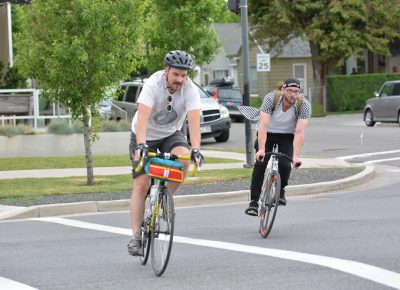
(13,212)
(68,172)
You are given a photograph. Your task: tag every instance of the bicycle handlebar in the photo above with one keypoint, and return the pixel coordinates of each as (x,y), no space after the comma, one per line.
(298,164)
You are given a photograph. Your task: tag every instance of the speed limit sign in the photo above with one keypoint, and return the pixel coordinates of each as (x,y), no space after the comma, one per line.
(263,62)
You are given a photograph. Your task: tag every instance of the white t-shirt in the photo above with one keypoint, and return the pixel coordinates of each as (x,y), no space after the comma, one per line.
(154,94)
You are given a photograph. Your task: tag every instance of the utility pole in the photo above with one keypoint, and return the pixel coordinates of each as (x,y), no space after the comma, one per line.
(240,6)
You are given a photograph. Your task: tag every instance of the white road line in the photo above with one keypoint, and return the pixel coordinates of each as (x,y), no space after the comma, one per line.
(380,160)
(13,285)
(376,274)
(367,154)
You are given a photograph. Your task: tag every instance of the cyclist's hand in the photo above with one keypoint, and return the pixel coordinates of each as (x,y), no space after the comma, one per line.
(141,151)
(197,157)
(260,155)
(296,162)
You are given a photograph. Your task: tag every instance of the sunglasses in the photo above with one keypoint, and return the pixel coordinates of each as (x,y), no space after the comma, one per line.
(169,106)
(292,92)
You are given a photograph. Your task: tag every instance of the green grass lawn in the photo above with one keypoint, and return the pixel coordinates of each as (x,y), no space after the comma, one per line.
(31,188)
(26,163)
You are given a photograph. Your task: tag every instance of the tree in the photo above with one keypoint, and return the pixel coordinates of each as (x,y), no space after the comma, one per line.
(76,50)
(335,29)
(184,25)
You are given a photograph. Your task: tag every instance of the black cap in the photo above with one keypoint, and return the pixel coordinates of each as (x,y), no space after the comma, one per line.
(290,82)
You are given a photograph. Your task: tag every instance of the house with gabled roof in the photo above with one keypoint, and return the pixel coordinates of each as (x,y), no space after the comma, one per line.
(294,60)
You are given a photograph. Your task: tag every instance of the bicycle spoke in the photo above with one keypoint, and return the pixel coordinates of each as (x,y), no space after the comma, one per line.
(162,235)
(269,204)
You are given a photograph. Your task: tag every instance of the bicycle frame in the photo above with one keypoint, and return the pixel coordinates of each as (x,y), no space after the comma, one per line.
(158,223)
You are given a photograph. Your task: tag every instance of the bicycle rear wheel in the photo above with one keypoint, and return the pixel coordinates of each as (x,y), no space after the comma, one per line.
(269,203)
(146,241)
(162,231)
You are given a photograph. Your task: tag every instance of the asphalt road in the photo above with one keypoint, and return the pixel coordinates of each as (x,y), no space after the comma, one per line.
(347,240)
(331,136)
(343,240)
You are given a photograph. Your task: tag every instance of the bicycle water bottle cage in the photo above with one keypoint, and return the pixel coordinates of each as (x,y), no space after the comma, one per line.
(163,169)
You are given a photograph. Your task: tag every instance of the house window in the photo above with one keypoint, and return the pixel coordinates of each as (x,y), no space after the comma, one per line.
(218,74)
(300,73)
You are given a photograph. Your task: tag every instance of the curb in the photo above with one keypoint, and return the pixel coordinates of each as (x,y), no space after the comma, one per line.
(181,200)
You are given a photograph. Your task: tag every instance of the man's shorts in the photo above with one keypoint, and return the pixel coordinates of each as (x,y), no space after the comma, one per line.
(163,145)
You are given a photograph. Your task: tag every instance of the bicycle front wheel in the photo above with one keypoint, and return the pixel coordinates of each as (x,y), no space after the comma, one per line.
(146,241)
(162,231)
(269,203)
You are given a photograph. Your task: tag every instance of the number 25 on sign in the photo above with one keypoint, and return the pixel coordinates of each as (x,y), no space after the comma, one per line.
(263,62)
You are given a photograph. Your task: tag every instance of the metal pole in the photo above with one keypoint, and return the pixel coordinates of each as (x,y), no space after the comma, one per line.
(10,45)
(246,96)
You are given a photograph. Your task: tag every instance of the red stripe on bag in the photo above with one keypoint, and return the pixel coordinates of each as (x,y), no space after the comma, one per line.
(168,173)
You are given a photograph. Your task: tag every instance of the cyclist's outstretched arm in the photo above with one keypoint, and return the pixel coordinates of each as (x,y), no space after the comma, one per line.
(142,121)
(298,140)
(194,128)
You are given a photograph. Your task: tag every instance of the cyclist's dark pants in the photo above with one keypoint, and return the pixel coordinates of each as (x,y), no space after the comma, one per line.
(285,144)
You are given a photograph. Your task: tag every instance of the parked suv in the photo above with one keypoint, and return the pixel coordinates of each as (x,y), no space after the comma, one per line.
(385,107)
(215,121)
(226,94)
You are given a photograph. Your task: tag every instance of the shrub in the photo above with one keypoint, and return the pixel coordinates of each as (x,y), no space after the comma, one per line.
(26,130)
(125,125)
(10,131)
(109,126)
(77,126)
(349,93)
(61,127)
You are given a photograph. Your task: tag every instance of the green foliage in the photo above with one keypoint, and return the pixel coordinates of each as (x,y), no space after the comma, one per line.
(337,28)
(256,102)
(349,93)
(184,25)
(77,49)
(222,13)
(12,79)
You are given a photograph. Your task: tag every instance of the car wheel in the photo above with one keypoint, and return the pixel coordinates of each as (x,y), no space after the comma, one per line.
(223,137)
(398,118)
(369,118)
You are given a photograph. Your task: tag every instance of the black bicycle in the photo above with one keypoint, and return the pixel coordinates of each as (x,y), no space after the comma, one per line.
(159,217)
(270,192)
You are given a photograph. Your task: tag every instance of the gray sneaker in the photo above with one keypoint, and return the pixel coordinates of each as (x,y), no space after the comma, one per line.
(135,247)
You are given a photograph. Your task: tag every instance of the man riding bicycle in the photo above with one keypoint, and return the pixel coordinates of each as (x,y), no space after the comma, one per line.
(167,98)
(282,122)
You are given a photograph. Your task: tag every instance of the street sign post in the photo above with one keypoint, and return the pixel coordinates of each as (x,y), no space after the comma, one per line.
(263,62)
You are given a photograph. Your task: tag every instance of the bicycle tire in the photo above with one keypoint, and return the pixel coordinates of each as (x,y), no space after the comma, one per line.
(162,231)
(269,203)
(146,242)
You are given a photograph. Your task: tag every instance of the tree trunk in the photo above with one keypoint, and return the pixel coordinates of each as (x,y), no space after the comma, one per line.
(88,145)
(318,74)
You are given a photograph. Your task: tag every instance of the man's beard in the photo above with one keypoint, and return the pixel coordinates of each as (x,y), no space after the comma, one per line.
(290,100)
(175,86)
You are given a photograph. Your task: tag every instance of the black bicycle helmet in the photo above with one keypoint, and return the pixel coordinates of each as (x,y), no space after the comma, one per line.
(179,59)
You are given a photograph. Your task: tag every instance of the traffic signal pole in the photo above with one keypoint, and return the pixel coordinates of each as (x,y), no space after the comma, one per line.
(246,90)
(240,7)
